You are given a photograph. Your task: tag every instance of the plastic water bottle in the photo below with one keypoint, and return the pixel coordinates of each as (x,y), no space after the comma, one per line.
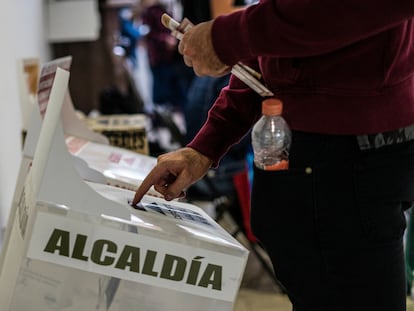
(271,137)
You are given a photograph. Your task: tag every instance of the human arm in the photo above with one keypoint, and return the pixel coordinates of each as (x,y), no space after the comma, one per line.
(303,28)
(286,29)
(229,120)
(174,172)
(204,44)
(234,112)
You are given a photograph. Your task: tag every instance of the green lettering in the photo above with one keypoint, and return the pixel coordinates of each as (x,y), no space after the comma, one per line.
(212,276)
(129,257)
(149,262)
(97,250)
(173,268)
(79,247)
(194,271)
(58,241)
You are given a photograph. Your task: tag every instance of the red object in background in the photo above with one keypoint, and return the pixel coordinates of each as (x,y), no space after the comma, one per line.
(242,185)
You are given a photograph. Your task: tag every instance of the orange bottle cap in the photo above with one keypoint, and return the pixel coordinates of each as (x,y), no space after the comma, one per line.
(282,165)
(272,106)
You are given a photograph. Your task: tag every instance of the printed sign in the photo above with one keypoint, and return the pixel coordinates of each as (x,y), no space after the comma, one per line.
(135,257)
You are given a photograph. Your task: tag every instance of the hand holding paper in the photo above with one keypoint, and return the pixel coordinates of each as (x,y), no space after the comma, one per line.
(198,51)
(197,48)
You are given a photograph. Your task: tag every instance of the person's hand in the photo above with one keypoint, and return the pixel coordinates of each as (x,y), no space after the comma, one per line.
(174,172)
(197,48)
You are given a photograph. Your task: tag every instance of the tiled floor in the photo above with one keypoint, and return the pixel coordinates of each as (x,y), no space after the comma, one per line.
(249,300)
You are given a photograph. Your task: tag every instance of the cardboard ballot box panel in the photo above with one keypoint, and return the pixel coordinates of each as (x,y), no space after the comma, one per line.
(77,245)
(120,167)
(117,166)
(72,125)
(94,158)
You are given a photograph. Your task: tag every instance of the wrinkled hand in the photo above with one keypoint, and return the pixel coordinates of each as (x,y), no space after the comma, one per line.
(174,172)
(197,48)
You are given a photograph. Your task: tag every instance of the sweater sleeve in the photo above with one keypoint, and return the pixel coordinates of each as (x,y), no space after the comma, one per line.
(302,28)
(229,120)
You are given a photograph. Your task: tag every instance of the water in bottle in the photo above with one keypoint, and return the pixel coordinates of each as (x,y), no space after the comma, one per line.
(271,137)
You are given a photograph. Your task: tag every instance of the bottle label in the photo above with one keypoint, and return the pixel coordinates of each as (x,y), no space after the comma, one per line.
(282,165)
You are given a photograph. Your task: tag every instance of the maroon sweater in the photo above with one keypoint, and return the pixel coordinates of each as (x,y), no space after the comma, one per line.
(340,67)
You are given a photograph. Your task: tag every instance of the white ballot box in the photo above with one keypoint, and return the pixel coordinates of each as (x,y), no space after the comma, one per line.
(168,257)
(79,245)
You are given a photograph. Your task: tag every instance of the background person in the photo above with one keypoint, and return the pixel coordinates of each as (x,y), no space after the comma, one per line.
(168,87)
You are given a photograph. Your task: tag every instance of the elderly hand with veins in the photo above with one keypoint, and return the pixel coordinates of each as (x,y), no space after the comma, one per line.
(197,48)
(174,172)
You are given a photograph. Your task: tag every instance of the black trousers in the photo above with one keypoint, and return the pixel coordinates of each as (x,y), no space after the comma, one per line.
(333,223)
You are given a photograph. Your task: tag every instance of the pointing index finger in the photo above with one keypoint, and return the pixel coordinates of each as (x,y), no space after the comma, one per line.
(146,184)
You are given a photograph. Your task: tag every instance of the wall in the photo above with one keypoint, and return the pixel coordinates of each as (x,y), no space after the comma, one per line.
(22,33)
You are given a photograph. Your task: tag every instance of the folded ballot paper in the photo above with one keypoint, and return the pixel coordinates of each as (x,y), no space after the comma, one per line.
(79,245)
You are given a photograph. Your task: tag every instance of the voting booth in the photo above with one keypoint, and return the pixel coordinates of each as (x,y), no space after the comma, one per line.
(77,244)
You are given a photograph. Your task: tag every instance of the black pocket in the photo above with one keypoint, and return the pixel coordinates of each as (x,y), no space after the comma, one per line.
(282,201)
(383,181)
